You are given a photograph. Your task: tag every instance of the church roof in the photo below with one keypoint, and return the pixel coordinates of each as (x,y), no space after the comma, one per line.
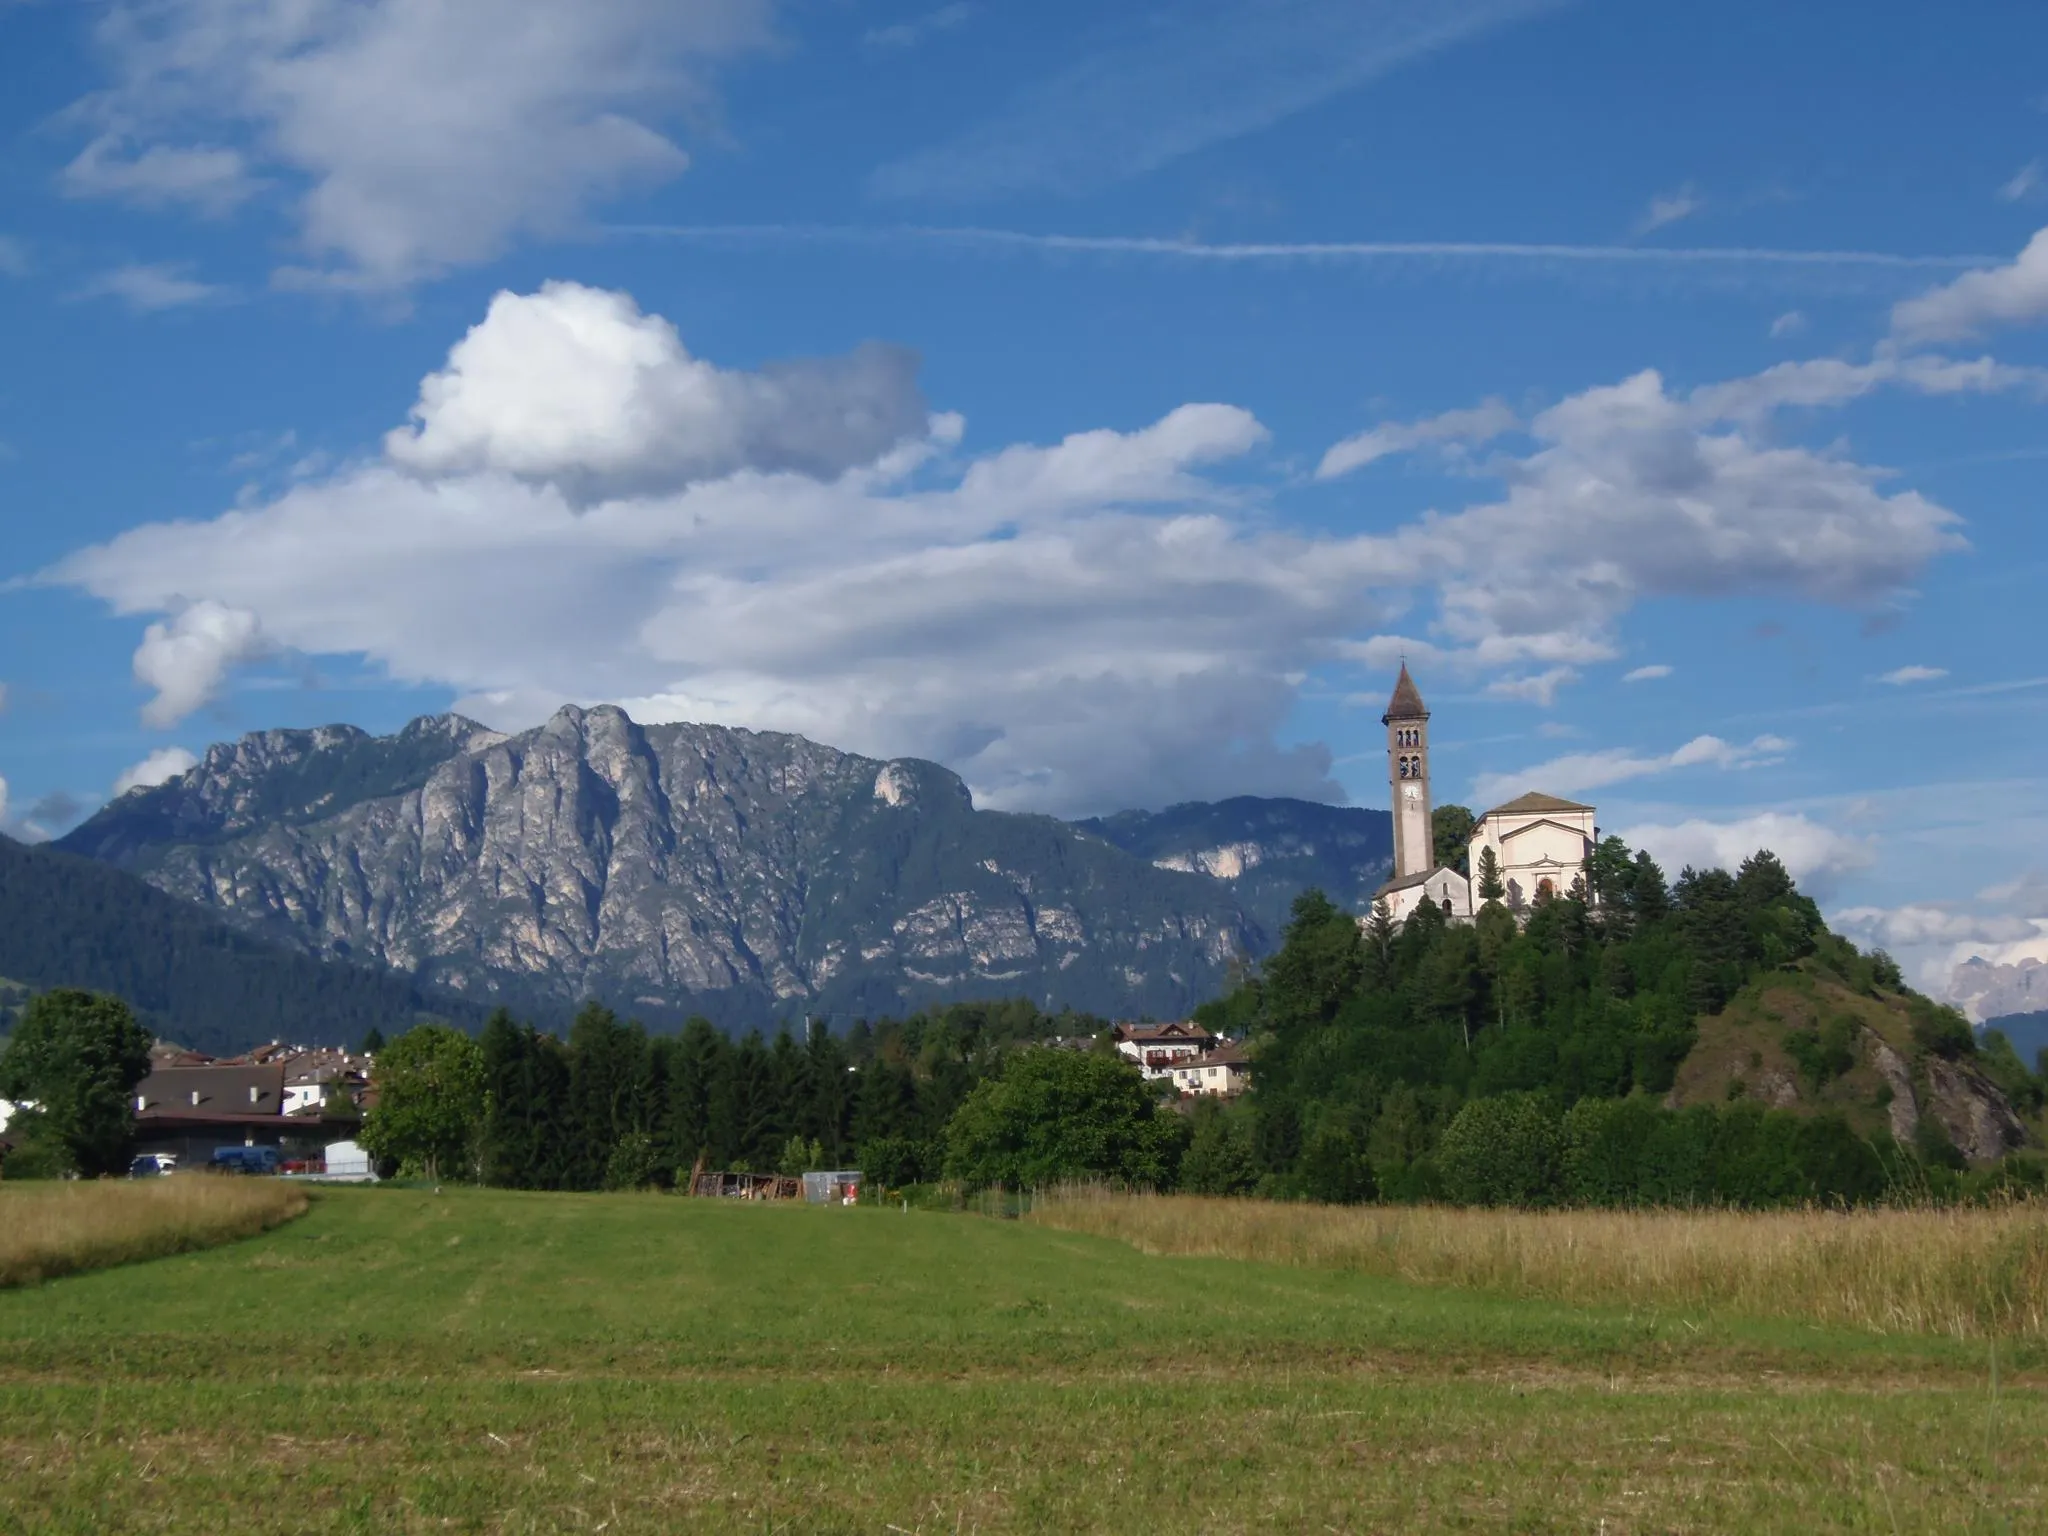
(1405,881)
(1535,804)
(1407,701)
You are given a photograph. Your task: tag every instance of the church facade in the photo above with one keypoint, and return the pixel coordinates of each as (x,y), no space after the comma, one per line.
(1538,843)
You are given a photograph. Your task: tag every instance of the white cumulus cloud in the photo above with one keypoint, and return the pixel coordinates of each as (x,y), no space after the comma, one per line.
(1817,855)
(2015,294)
(575,387)
(1915,924)
(188,658)
(160,767)
(416,134)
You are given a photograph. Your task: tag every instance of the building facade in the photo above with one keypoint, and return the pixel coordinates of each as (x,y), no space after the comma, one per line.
(1159,1048)
(1540,844)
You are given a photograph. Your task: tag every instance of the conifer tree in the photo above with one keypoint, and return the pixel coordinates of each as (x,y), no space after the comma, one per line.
(1490,887)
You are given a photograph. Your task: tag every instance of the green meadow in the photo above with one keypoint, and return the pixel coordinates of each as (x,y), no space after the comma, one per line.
(400,1360)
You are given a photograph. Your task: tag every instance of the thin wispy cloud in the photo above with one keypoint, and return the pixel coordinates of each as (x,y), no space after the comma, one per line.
(147,288)
(1791,323)
(970,237)
(1902,677)
(1670,208)
(1647,674)
(13,257)
(904,35)
(2024,184)
(1155,87)
(1536,688)
(1583,771)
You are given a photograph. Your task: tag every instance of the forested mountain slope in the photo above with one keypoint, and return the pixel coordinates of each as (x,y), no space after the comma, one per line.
(66,921)
(1267,850)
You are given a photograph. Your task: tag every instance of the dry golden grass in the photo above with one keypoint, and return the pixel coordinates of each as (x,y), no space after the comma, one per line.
(55,1229)
(1965,1272)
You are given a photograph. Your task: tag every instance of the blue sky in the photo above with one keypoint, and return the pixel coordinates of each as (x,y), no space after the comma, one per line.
(1101,406)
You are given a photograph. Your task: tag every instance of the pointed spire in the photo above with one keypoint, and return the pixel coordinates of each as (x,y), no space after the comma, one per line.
(1407,701)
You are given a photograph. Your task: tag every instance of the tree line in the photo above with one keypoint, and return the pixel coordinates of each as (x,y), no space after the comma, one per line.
(612,1107)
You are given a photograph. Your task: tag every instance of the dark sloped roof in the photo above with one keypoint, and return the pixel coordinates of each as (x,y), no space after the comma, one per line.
(1405,881)
(210,1093)
(1534,804)
(1174,1029)
(1407,701)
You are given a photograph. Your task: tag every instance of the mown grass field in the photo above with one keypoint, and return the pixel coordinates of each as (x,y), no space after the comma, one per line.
(484,1361)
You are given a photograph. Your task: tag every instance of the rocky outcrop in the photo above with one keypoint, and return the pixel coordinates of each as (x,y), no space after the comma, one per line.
(1903,1110)
(668,868)
(1969,1107)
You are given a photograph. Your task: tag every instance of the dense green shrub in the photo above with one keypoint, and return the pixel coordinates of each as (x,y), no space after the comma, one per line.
(1049,1116)
(1502,1151)
(1220,1159)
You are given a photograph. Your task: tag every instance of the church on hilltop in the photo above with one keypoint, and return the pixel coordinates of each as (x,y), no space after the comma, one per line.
(1539,843)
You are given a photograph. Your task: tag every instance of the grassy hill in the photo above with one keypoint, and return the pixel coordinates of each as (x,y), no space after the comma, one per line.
(68,921)
(1892,1063)
(480,1361)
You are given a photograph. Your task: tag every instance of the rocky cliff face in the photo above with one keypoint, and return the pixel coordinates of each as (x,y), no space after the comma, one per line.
(669,868)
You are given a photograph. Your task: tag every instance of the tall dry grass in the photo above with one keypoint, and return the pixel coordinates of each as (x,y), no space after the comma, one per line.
(1966,1272)
(51,1229)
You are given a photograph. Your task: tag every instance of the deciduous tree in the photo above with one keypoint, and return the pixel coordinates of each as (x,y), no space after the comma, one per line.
(429,1113)
(77,1057)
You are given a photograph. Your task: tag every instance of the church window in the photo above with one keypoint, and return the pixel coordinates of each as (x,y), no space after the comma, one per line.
(1447,906)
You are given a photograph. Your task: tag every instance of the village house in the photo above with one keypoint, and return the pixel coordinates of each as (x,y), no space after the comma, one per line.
(1159,1048)
(1224,1072)
(188,1112)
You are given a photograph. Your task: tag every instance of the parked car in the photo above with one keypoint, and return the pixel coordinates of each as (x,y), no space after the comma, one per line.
(244,1160)
(147,1166)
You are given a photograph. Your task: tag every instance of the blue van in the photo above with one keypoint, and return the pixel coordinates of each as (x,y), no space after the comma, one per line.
(245,1160)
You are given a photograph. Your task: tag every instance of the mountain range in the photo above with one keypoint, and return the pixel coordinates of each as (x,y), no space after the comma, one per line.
(750,876)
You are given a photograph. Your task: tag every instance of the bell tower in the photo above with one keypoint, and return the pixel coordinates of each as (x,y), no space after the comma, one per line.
(1407,723)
